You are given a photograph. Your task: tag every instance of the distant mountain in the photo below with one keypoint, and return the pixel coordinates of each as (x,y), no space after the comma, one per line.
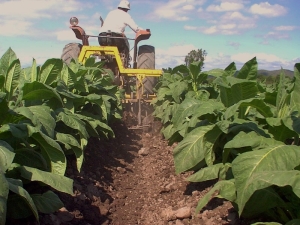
(274,73)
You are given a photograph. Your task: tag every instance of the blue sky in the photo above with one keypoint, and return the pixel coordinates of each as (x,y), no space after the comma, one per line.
(229,30)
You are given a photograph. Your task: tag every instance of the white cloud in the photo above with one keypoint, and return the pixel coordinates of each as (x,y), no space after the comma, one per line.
(268,10)
(65,35)
(188,7)
(186,27)
(172,56)
(276,35)
(177,10)
(15,27)
(285,28)
(20,17)
(230,23)
(32,9)
(210,30)
(225,6)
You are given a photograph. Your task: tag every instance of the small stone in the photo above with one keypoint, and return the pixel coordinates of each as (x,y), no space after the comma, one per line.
(143,151)
(168,214)
(121,170)
(103,210)
(121,195)
(183,213)
(64,215)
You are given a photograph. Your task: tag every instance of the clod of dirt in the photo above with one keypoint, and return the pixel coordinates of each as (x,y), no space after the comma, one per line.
(183,213)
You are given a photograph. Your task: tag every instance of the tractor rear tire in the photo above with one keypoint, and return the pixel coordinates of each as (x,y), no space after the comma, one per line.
(71,51)
(146,60)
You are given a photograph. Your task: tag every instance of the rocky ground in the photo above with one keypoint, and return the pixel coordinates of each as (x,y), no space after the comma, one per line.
(130,180)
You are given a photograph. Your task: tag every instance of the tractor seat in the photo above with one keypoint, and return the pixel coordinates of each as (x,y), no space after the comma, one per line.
(107,39)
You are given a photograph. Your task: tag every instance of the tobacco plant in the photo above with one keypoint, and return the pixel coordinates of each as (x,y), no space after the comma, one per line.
(240,132)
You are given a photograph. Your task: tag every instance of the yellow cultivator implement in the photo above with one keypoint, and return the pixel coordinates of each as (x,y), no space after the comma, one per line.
(114,51)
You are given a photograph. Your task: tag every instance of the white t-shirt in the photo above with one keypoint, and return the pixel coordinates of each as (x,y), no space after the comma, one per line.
(117,20)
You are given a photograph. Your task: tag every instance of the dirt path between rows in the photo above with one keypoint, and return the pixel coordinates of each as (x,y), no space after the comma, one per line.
(130,180)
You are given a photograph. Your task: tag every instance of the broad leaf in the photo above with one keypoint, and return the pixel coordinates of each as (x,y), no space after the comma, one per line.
(258,104)
(210,173)
(51,151)
(295,104)
(58,182)
(247,165)
(31,158)
(18,210)
(251,139)
(195,147)
(71,143)
(6,60)
(39,91)
(222,189)
(40,116)
(47,202)
(12,78)
(50,71)
(249,70)
(6,156)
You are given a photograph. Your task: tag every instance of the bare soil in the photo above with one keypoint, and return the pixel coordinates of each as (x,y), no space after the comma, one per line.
(131,180)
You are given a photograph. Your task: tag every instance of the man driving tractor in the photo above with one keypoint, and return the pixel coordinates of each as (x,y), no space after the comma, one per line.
(115,24)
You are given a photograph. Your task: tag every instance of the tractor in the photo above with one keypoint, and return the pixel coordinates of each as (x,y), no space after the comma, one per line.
(114,51)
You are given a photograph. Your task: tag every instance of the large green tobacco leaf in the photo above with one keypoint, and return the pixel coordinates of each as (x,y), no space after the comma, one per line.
(21,204)
(6,156)
(264,179)
(71,143)
(34,71)
(31,158)
(51,150)
(47,202)
(178,88)
(6,60)
(224,189)
(251,139)
(40,116)
(195,69)
(58,182)
(72,121)
(295,104)
(233,90)
(4,190)
(258,104)
(39,91)
(12,78)
(279,130)
(209,173)
(248,165)
(195,108)
(230,70)
(195,147)
(249,70)
(50,71)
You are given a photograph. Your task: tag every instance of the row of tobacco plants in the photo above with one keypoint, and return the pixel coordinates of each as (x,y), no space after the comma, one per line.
(46,113)
(239,131)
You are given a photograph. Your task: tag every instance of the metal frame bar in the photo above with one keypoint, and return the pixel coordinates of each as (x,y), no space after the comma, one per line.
(87,51)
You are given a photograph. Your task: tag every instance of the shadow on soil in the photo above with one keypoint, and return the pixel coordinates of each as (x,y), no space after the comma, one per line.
(101,159)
